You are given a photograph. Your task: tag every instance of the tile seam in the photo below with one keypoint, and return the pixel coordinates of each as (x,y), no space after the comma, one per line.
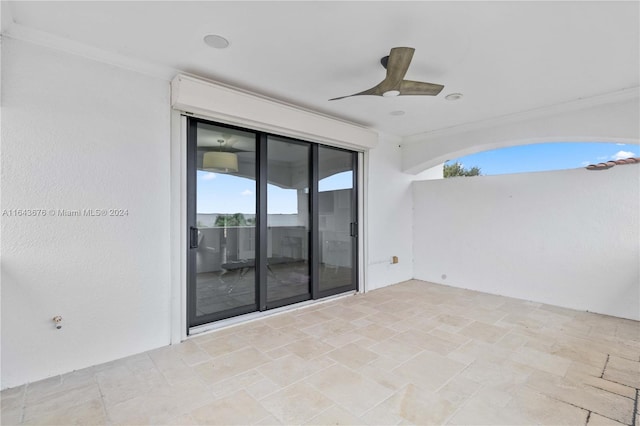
(605,366)
(582,408)
(634,414)
(606,390)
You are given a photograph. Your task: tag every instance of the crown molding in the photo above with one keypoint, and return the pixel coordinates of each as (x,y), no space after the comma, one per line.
(623,95)
(23,33)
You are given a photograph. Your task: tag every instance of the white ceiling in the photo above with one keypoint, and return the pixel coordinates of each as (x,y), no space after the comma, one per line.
(505,57)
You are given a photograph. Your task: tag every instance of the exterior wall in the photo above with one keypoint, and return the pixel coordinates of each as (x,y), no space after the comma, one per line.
(566,238)
(78,134)
(435,172)
(81,134)
(389,224)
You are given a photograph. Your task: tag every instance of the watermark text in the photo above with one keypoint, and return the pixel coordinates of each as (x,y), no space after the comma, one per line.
(65,212)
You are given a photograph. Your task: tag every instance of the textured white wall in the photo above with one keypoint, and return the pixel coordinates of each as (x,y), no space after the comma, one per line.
(389,209)
(568,238)
(435,172)
(81,134)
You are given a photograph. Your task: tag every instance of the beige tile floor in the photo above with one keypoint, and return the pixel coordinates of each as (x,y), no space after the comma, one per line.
(413,353)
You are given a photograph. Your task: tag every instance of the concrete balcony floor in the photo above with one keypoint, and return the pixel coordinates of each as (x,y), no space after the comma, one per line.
(413,353)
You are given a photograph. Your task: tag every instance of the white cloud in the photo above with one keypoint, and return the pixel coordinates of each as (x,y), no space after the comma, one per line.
(622,155)
(246,192)
(621,144)
(209,176)
(585,163)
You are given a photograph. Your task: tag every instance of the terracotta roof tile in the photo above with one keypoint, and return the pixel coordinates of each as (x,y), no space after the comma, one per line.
(610,164)
(627,161)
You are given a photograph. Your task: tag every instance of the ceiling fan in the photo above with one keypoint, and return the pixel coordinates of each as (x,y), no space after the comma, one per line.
(397,64)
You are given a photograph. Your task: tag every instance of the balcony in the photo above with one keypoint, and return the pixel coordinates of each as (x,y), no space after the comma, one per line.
(413,353)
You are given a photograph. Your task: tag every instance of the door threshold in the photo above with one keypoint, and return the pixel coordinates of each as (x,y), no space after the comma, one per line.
(254,316)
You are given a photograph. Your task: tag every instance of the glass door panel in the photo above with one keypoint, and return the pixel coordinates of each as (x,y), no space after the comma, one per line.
(288,219)
(337,220)
(299,244)
(223,240)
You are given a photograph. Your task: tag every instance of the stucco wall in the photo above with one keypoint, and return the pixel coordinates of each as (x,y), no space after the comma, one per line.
(78,134)
(389,224)
(568,238)
(81,134)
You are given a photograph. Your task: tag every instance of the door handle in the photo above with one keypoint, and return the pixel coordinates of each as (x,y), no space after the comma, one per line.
(193,237)
(354,229)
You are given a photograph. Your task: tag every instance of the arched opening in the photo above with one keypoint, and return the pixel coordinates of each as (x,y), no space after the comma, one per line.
(538,157)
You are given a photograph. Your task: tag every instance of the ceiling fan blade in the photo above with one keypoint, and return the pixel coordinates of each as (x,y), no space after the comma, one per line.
(376,91)
(342,97)
(408,87)
(394,84)
(398,64)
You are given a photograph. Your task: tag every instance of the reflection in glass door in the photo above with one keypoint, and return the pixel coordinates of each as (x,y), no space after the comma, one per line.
(337,220)
(288,214)
(271,221)
(222,236)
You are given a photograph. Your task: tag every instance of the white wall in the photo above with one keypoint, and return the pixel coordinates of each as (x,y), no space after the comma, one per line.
(389,221)
(435,172)
(568,238)
(81,134)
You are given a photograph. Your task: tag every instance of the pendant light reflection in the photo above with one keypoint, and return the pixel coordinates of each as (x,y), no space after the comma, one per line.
(220,161)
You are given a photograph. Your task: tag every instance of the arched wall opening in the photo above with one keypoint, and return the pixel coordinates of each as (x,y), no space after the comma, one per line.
(474,149)
(567,237)
(609,119)
(540,157)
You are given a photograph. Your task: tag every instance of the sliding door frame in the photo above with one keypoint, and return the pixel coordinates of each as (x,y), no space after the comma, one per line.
(261,223)
(194,320)
(314,238)
(191,219)
(261,266)
(310,252)
(355,226)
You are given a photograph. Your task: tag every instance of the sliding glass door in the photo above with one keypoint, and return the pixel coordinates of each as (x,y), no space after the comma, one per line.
(271,221)
(222,228)
(337,224)
(288,221)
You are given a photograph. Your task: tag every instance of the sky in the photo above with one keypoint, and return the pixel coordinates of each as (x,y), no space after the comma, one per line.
(546,156)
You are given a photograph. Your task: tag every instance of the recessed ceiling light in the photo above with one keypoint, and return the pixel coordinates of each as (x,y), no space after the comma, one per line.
(390,93)
(397,113)
(216,41)
(453,96)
